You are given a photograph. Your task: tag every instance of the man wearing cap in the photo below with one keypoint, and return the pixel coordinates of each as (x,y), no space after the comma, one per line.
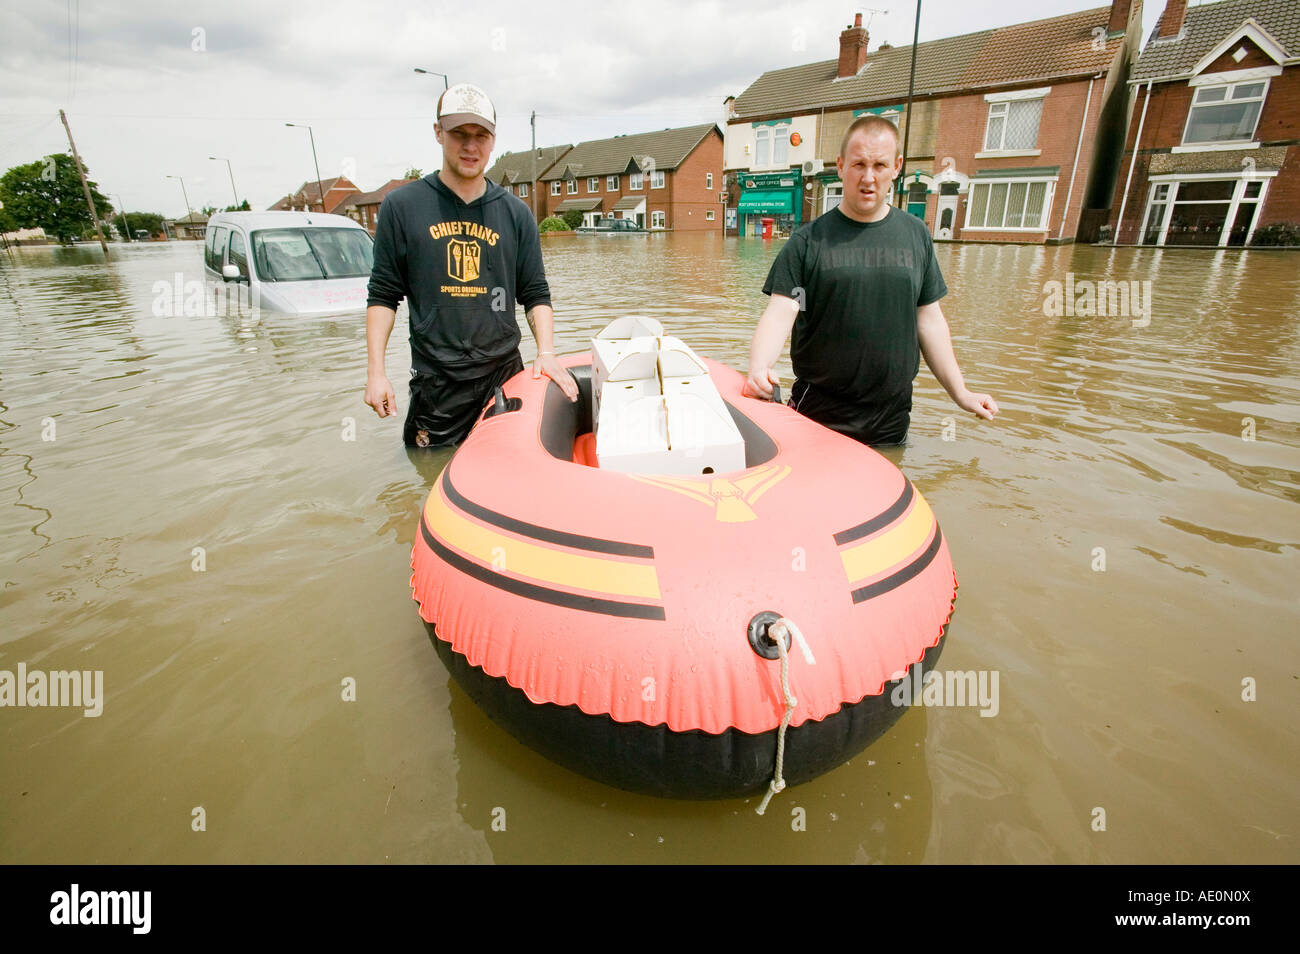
(462,251)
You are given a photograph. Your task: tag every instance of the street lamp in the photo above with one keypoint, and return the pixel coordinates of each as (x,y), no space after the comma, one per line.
(189,213)
(232,176)
(319,188)
(435,73)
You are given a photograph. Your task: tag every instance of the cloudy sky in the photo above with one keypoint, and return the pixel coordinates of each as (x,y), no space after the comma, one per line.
(154,88)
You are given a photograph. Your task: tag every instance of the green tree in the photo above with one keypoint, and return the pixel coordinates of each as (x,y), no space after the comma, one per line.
(151,222)
(553,223)
(413,173)
(47,194)
(242,207)
(573,218)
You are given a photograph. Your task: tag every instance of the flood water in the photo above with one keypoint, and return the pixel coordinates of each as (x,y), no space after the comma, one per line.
(1126,535)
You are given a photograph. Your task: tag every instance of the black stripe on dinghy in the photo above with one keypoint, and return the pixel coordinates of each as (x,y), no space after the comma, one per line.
(563,538)
(864,593)
(895,511)
(532,591)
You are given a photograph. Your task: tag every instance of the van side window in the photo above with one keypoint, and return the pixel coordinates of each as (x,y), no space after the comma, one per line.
(218,248)
(238,254)
(209,241)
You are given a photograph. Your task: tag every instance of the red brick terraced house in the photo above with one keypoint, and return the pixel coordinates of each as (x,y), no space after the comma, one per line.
(1216,122)
(671,179)
(307,198)
(519,171)
(1015,131)
(363,207)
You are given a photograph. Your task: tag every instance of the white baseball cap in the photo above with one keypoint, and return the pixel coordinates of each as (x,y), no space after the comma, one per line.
(463,104)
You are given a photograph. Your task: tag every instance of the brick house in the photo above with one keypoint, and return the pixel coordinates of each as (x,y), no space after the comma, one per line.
(984,162)
(363,207)
(518,172)
(307,198)
(670,179)
(1216,123)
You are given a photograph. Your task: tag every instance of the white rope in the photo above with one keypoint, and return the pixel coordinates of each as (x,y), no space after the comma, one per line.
(778,631)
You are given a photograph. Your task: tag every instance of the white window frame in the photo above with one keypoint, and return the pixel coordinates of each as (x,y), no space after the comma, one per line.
(593,183)
(781,138)
(657,179)
(708,215)
(1049,197)
(1238,197)
(832,195)
(762,147)
(523,190)
(1000,103)
(658,219)
(1209,144)
(708,181)
(556,187)
(636,181)
(611,183)
(572,187)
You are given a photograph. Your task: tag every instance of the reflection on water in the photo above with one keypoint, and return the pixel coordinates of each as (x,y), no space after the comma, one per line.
(203,508)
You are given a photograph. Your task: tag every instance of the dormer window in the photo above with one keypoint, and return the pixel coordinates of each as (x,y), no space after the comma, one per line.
(1226,113)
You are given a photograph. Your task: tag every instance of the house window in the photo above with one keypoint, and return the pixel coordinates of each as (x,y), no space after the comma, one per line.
(1156,214)
(781,146)
(708,215)
(523,190)
(1013,125)
(1010,205)
(656,179)
(832,197)
(657,220)
(555,187)
(708,180)
(1225,113)
(1209,212)
(593,184)
(634,181)
(573,187)
(762,147)
(611,183)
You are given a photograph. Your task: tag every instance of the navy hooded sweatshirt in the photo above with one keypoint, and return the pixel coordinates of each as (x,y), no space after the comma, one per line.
(462,267)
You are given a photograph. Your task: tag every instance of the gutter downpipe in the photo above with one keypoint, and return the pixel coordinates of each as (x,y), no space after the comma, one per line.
(1137,141)
(1078,148)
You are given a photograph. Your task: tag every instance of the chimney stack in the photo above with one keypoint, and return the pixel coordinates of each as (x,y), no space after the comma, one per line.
(1171,21)
(853,48)
(1121,12)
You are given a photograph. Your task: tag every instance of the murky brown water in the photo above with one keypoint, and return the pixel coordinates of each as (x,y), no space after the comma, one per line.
(1120,689)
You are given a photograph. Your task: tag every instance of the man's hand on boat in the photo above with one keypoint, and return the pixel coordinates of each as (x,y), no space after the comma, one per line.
(759,383)
(547,364)
(379,395)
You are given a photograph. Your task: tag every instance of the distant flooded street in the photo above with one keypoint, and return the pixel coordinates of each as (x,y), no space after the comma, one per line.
(202,508)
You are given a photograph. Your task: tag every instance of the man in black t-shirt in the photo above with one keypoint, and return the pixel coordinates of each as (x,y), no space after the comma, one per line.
(860,287)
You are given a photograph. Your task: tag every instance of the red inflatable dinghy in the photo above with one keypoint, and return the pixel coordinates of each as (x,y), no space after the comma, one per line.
(619,623)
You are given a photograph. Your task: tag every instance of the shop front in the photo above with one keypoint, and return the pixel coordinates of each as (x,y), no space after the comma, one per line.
(776,196)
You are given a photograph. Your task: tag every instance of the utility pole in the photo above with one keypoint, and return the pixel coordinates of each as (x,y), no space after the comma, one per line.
(126,223)
(532,186)
(232,175)
(320,188)
(94,216)
(911,83)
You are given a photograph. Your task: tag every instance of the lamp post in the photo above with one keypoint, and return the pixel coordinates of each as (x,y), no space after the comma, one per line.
(189,213)
(232,176)
(319,188)
(445,87)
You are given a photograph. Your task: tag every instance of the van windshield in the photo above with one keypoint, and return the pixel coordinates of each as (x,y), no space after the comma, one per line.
(296,255)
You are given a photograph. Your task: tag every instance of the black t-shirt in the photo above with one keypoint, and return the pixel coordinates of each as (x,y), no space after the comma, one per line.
(860,284)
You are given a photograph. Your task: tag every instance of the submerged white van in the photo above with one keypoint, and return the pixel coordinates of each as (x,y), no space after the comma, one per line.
(300,263)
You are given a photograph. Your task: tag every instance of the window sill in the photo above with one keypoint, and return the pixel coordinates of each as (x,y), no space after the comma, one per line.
(1000,153)
(1215,146)
(985,228)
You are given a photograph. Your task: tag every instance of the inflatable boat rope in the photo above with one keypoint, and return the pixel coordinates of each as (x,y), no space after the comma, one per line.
(787,627)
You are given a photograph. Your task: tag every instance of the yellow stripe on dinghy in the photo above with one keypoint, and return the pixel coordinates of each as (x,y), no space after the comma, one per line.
(508,554)
(890,548)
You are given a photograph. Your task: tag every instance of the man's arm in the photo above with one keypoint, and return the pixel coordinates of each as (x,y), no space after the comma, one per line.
(541,321)
(379,390)
(769,341)
(936,345)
